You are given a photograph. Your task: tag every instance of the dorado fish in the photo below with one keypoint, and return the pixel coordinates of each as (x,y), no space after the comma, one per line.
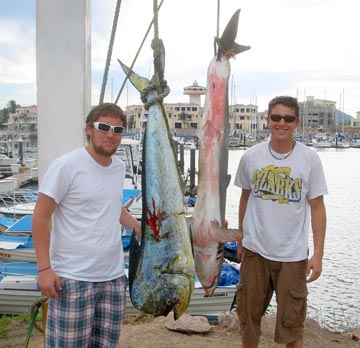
(213,178)
(164,272)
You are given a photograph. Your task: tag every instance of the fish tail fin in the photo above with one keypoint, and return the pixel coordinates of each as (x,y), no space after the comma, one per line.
(140,83)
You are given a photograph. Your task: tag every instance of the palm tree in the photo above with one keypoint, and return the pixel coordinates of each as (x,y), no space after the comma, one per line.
(4,115)
(184,117)
(11,105)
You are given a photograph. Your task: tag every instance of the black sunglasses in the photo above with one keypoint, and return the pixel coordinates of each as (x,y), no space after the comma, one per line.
(287,118)
(104,127)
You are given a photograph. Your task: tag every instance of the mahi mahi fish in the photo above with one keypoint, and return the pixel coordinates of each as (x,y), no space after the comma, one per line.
(213,179)
(164,271)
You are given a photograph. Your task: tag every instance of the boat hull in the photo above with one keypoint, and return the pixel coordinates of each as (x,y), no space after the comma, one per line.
(27,255)
(16,301)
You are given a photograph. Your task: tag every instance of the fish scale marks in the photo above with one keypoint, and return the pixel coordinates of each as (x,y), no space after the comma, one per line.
(165,272)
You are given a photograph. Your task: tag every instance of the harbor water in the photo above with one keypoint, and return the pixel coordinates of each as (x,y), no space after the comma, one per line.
(334,298)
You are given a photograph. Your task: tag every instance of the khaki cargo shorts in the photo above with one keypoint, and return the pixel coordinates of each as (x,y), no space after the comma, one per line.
(259,279)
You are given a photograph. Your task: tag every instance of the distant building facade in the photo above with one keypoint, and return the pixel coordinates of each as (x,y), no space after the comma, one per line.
(355,123)
(21,127)
(248,120)
(195,92)
(317,113)
(185,118)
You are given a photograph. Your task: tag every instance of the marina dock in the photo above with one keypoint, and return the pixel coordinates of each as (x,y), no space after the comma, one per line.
(14,181)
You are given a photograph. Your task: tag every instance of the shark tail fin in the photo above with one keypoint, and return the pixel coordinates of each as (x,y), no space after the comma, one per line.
(227,44)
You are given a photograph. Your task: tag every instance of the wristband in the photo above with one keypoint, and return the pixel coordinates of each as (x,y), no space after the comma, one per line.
(44,269)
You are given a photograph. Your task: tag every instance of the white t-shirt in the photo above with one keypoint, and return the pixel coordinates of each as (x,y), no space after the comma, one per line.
(86,233)
(277,219)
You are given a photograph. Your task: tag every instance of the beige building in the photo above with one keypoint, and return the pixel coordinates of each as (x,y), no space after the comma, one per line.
(185,118)
(21,123)
(317,113)
(247,119)
(355,123)
(21,127)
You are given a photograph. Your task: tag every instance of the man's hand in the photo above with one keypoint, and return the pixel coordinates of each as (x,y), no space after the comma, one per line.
(49,283)
(314,268)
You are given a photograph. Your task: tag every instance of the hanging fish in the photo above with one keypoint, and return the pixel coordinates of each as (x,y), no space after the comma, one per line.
(213,178)
(164,270)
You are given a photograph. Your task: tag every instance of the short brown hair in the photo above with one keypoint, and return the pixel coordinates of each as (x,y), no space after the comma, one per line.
(106,109)
(290,102)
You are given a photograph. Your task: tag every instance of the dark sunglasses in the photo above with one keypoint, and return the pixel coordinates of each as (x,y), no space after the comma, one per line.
(287,118)
(104,127)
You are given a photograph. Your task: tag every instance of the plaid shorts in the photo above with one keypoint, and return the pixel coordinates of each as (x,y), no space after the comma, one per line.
(86,314)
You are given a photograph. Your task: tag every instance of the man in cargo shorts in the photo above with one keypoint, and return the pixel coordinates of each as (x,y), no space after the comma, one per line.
(282,185)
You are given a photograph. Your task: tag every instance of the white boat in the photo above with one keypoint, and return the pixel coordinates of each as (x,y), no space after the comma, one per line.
(190,144)
(6,160)
(321,141)
(19,209)
(18,202)
(19,292)
(355,144)
(235,141)
(129,151)
(17,248)
(340,141)
(342,144)
(188,141)
(201,304)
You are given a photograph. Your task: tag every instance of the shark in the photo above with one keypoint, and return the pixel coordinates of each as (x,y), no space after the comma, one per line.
(208,219)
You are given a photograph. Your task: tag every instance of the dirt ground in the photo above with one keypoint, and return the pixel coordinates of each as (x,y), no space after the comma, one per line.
(147,332)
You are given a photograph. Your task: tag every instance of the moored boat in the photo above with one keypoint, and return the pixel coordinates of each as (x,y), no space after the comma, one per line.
(355,144)
(16,248)
(19,291)
(235,141)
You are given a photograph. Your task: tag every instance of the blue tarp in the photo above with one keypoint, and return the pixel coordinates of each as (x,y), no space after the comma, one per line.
(229,275)
(126,242)
(191,201)
(231,246)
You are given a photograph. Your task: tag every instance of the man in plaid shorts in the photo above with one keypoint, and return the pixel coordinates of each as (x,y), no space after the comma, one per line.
(81,263)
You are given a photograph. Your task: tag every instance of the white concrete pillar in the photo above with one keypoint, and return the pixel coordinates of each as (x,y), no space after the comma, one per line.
(63,62)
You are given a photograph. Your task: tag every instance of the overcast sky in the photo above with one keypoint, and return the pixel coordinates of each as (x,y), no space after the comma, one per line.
(299,47)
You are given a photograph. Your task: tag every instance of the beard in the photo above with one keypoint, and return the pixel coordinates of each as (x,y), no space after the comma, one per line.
(102,150)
